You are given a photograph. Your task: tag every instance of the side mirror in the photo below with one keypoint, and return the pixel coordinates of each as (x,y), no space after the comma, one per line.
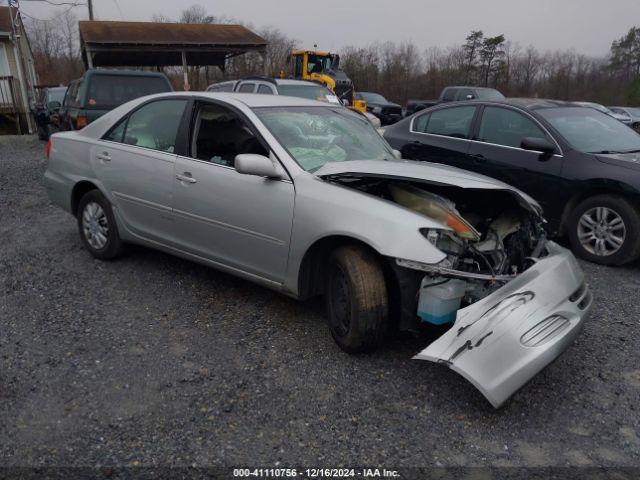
(258,165)
(470,97)
(397,154)
(54,105)
(537,144)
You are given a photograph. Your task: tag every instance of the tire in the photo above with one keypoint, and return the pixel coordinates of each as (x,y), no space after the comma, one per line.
(42,134)
(598,221)
(95,221)
(356,300)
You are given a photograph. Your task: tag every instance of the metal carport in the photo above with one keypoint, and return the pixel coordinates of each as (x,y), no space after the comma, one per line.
(152,44)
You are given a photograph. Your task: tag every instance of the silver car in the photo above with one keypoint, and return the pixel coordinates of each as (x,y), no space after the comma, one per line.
(307,199)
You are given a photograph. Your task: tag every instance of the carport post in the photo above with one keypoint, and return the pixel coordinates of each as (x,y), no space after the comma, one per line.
(89,59)
(263,54)
(184,70)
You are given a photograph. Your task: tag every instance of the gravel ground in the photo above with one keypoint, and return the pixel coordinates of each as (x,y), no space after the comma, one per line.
(154,360)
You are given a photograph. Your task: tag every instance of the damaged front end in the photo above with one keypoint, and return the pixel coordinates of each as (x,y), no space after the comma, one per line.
(514,300)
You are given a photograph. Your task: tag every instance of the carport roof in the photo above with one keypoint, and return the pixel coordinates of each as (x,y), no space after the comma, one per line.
(150,43)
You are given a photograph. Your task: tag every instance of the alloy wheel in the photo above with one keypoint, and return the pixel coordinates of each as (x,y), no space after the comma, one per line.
(95,225)
(601,231)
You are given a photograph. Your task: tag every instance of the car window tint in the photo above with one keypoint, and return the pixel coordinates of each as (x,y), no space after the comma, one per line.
(451,122)
(247,87)
(265,89)
(420,123)
(449,94)
(155,125)
(220,134)
(507,127)
(116,133)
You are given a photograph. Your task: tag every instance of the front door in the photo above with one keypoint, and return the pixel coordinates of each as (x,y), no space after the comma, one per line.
(497,153)
(241,221)
(441,136)
(135,161)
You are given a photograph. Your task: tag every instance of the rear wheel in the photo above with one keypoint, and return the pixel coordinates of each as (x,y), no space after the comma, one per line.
(97,226)
(605,229)
(356,300)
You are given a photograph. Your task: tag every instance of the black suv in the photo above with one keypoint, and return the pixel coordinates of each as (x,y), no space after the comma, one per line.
(99,91)
(583,166)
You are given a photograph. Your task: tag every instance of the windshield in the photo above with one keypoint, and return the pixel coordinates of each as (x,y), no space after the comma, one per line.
(590,131)
(634,111)
(108,91)
(313,92)
(318,63)
(314,136)
(56,94)
(489,94)
(372,97)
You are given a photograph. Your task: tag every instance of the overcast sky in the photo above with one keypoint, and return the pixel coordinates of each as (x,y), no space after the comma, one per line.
(588,26)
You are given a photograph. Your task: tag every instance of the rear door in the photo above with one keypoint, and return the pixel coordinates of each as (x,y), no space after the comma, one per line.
(239,221)
(495,151)
(135,161)
(441,136)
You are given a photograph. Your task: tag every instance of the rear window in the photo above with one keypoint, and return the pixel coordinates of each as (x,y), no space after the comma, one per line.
(109,91)
(312,92)
(489,94)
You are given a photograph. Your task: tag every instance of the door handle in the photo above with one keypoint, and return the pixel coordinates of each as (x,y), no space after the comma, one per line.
(186,177)
(104,156)
(479,158)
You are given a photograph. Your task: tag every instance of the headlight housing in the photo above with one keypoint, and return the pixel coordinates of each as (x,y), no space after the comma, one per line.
(444,240)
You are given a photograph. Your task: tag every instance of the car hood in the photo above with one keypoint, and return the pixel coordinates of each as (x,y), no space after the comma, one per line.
(624,160)
(433,173)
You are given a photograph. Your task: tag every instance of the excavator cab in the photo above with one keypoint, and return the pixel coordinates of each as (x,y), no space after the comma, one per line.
(324,67)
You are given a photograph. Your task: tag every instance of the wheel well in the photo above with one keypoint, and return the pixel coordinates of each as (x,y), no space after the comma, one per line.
(78,192)
(591,192)
(312,268)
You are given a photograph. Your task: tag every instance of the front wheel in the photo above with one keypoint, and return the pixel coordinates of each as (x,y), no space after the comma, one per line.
(97,226)
(605,229)
(356,300)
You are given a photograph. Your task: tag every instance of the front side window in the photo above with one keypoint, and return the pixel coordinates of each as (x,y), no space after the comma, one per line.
(451,122)
(465,94)
(591,131)
(503,126)
(247,87)
(314,136)
(219,134)
(154,125)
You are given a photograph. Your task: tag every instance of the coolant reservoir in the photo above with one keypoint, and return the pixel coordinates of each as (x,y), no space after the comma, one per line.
(440,299)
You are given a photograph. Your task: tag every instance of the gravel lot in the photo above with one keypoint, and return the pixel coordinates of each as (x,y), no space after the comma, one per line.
(154,360)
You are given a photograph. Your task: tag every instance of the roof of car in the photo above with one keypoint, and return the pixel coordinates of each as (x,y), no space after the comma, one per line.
(253,100)
(123,72)
(530,103)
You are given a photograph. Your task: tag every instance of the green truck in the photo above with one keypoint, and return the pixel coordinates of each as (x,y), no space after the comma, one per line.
(99,91)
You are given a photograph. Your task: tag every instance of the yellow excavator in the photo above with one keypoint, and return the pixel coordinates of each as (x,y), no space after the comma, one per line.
(324,67)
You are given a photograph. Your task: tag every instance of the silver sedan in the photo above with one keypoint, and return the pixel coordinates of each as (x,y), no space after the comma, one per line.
(307,198)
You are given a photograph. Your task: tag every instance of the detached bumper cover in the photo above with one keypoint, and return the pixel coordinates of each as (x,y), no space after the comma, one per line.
(502,341)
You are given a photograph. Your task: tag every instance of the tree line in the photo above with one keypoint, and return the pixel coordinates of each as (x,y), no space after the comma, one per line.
(400,71)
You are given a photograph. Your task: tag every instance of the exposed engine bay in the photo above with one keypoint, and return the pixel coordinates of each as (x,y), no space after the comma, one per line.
(490,236)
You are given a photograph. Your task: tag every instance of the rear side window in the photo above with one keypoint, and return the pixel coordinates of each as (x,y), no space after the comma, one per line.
(109,91)
(247,87)
(451,122)
(503,126)
(154,125)
(420,123)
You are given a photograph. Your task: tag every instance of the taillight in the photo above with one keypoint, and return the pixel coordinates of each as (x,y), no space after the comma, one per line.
(81,122)
(47,149)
